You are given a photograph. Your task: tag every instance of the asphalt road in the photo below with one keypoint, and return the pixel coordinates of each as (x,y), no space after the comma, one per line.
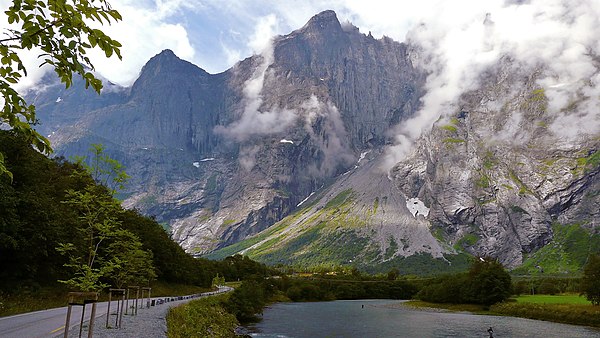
(46,323)
(51,323)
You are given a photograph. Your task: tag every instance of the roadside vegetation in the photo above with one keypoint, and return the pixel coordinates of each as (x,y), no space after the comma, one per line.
(204,317)
(60,221)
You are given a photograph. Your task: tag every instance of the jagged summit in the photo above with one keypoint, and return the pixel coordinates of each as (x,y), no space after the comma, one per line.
(323,22)
(166,67)
(166,62)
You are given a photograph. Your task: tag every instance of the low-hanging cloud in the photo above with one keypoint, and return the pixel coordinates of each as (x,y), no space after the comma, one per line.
(458,40)
(255,120)
(333,138)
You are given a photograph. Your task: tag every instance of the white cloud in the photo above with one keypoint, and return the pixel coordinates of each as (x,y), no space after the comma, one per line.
(460,39)
(455,43)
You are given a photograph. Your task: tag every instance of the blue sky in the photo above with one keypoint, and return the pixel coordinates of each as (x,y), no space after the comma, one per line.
(214,34)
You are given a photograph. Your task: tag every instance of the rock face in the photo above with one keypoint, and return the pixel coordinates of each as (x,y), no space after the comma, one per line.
(220,157)
(281,155)
(497,188)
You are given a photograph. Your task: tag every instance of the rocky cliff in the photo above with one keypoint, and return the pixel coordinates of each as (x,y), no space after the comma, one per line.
(282,157)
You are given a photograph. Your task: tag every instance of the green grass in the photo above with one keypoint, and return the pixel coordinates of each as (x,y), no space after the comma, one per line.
(576,314)
(483,181)
(474,308)
(568,313)
(567,253)
(449,128)
(553,299)
(466,241)
(340,199)
(227,222)
(211,184)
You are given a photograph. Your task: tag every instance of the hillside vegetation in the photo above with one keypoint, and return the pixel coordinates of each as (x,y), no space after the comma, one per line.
(35,220)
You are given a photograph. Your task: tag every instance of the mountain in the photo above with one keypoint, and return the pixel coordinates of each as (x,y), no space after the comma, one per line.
(283,157)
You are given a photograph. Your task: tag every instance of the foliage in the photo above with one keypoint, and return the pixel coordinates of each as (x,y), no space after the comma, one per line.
(61,31)
(204,317)
(218,281)
(35,218)
(97,225)
(134,263)
(107,251)
(590,282)
(486,283)
(247,300)
(567,253)
(104,169)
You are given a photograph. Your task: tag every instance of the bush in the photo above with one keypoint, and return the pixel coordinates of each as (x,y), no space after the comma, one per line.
(205,317)
(247,301)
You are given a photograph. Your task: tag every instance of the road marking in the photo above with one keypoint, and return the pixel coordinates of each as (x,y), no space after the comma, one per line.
(60,328)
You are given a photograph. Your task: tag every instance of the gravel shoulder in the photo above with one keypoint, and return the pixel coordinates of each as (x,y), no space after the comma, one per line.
(149,322)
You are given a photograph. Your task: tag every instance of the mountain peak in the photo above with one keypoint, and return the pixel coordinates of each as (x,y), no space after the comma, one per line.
(165,67)
(325,20)
(166,53)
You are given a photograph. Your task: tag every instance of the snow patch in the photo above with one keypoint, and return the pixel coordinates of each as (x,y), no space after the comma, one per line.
(286,141)
(417,207)
(306,199)
(196,164)
(362,157)
(59,99)
(207,159)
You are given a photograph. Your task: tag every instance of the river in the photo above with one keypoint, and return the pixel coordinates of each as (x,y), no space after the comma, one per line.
(389,318)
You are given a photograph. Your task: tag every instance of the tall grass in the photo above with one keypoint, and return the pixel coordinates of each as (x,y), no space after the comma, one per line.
(553,299)
(577,314)
(204,317)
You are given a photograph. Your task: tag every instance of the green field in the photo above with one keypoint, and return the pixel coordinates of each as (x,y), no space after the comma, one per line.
(553,299)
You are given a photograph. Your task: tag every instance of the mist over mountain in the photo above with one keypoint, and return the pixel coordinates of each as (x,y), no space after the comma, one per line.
(333,147)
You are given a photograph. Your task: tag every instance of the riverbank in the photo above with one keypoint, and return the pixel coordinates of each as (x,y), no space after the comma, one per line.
(575,314)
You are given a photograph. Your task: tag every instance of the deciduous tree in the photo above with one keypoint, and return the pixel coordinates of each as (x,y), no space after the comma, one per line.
(590,282)
(62,31)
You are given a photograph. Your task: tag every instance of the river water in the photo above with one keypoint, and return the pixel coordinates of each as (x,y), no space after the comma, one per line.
(389,318)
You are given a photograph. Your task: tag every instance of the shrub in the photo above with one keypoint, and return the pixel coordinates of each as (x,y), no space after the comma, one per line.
(590,282)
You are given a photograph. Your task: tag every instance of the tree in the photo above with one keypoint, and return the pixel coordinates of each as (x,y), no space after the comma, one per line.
(104,169)
(134,264)
(590,282)
(61,30)
(104,250)
(98,224)
(488,282)
(218,281)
